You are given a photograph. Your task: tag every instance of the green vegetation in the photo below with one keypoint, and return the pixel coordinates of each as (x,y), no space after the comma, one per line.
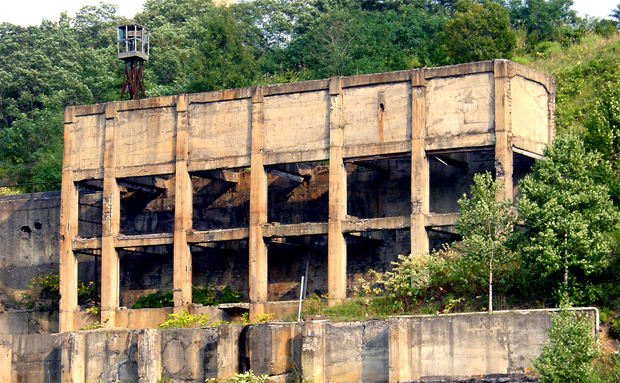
(208,295)
(571,349)
(245,377)
(44,293)
(185,320)
(196,46)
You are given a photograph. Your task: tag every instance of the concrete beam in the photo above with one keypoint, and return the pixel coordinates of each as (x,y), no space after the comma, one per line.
(220,175)
(294,230)
(371,224)
(159,239)
(217,235)
(282,174)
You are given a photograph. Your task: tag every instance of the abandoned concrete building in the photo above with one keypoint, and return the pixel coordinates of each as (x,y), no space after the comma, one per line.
(254,188)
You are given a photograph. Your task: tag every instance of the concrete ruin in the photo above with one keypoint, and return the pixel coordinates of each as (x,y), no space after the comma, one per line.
(256,187)
(399,349)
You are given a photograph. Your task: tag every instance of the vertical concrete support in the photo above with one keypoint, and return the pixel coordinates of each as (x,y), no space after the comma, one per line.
(419,164)
(503,130)
(111,216)
(73,357)
(313,351)
(6,358)
(182,278)
(399,350)
(258,210)
(149,356)
(336,244)
(68,230)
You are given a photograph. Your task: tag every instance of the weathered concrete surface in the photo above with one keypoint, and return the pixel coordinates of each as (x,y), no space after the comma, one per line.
(495,347)
(28,238)
(462,346)
(28,322)
(304,146)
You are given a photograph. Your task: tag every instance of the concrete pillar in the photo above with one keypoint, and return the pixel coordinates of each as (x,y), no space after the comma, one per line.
(69,200)
(111,216)
(73,357)
(503,127)
(419,164)
(336,244)
(183,202)
(313,351)
(258,210)
(400,361)
(149,356)
(6,358)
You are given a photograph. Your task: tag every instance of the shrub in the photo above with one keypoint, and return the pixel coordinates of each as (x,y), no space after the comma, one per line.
(246,377)
(571,349)
(185,320)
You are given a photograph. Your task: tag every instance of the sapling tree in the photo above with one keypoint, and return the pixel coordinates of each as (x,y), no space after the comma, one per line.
(567,215)
(484,223)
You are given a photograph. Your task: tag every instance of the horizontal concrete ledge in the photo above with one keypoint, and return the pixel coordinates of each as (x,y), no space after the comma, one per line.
(448,219)
(386,223)
(294,230)
(218,235)
(123,241)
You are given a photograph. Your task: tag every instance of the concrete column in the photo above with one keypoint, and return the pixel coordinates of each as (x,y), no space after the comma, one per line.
(149,356)
(503,128)
(69,200)
(6,358)
(183,203)
(73,357)
(399,350)
(258,210)
(336,244)
(313,351)
(419,164)
(111,216)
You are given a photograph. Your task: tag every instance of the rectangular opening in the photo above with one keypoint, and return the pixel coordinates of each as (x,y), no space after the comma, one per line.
(145,270)
(375,250)
(147,205)
(220,265)
(378,188)
(221,199)
(90,208)
(522,166)
(89,284)
(452,173)
(290,258)
(298,192)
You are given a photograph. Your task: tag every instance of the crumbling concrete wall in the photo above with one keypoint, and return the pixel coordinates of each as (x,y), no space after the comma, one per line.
(28,239)
(399,349)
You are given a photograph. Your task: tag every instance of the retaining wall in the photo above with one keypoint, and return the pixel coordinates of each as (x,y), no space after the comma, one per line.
(399,349)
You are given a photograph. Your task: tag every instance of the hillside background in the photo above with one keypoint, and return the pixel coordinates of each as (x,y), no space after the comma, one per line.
(197,47)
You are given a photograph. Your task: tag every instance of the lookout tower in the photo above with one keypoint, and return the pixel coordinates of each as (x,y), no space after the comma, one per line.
(133,48)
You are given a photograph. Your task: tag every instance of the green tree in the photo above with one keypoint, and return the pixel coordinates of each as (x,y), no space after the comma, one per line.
(568,355)
(546,20)
(484,224)
(567,214)
(478,32)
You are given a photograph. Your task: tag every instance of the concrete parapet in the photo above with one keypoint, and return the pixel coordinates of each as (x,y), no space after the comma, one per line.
(345,352)
(275,349)
(461,346)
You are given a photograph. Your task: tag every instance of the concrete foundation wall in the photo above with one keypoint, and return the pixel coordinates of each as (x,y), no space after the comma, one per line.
(399,349)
